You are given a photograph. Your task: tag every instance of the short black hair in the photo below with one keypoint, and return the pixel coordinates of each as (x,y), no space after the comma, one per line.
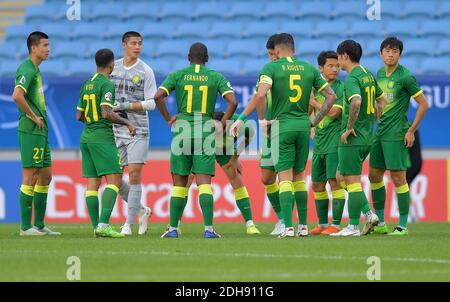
(271,42)
(284,39)
(324,55)
(392,42)
(218,115)
(130,34)
(103,57)
(198,52)
(352,48)
(34,38)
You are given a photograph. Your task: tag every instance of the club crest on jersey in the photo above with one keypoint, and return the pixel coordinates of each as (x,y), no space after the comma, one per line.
(108,96)
(136,80)
(22,80)
(391,84)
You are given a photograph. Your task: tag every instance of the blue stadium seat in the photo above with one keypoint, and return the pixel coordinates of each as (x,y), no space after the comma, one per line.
(280,11)
(311,59)
(88,32)
(108,12)
(228,67)
(252,67)
(9,68)
(176,12)
(261,30)
(350,11)
(245,11)
(191,30)
(244,49)
(444,9)
(419,10)
(372,48)
(210,11)
(180,64)
(402,29)
(158,30)
(366,30)
(160,67)
(58,31)
(305,48)
(9,51)
(68,50)
(83,68)
(411,64)
(315,11)
(115,46)
(434,66)
(37,14)
(53,68)
(115,31)
(443,48)
(419,48)
(174,49)
(298,29)
(19,33)
(391,10)
(216,48)
(331,30)
(434,29)
(143,12)
(372,64)
(226,30)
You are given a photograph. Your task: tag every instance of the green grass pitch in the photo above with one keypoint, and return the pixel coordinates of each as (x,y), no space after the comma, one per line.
(424,255)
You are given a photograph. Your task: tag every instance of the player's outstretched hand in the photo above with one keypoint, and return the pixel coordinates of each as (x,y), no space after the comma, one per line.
(132,129)
(121,106)
(346,134)
(235,128)
(409,139)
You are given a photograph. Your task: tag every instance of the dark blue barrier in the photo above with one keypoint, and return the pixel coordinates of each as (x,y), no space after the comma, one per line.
(61,95)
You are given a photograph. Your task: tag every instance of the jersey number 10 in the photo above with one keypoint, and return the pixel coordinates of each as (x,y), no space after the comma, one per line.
(370,96)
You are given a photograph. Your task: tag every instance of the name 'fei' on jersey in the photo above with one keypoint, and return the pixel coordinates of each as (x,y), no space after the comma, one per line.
(135,83)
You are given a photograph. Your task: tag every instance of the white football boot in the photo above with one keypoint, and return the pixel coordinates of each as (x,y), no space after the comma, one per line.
(126,229)
(143,220)
(288,233)
(31,232)
(345,232)
(47,231)
(369,224)
(279,229)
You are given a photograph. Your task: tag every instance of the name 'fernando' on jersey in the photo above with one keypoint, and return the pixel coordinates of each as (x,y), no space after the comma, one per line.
(96,92)
(196,88)
(360,82)
(291,83)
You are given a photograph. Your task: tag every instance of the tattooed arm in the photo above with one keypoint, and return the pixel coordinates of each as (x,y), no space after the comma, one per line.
(330,99)
(109,114)
(355,106)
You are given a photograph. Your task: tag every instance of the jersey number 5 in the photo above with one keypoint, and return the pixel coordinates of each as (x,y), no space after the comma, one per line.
(294,87)
(90,98)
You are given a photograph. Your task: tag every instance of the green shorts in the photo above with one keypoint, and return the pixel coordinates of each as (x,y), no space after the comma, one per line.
(34,151)
(185,159)
(98,160)
(292,151)
(324,167)
(222,160)
(389,155)
(351,159)
(265,159)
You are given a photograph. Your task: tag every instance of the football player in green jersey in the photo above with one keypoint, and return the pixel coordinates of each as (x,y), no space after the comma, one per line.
(192,148)
(360,92)
(394,134)
(33,138)
(100,156)
(290,82)
(268,173)
(326,140)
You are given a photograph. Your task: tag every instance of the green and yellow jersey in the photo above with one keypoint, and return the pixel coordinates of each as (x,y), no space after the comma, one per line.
(291,83)
(29,79)
(196,88)
(399,87)
(326,138)
(97,92)
(360,82)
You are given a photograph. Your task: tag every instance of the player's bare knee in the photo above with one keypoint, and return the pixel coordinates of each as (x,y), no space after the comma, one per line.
(398,178)
(376,175)
(334,184)
(318,186)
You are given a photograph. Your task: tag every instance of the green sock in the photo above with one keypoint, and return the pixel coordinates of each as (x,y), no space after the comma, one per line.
(274,197)
(26,206)
(379,199)
(286,201)
(355,201)
(108,200)
(338,205)
(243,203)
(301,199)
(365,206)
(177,204)
(206,203)
(40,205)
(403,198)
(92,206)
(321,200)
